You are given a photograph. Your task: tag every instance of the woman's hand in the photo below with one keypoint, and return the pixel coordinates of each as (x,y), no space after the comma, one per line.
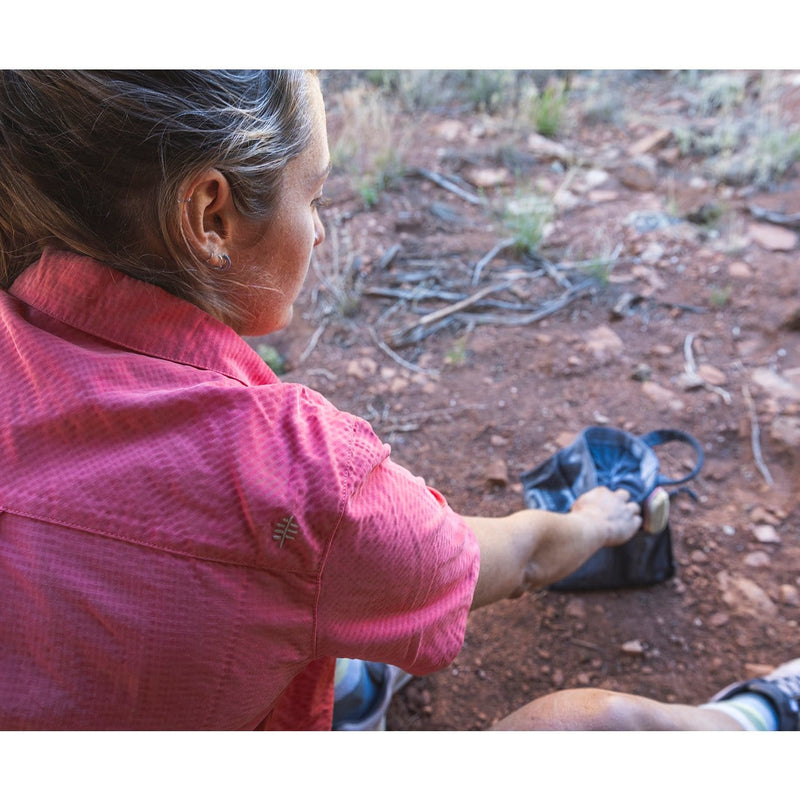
(533,549)
(612,514)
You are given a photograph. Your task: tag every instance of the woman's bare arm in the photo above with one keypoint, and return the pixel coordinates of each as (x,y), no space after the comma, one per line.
(532,549)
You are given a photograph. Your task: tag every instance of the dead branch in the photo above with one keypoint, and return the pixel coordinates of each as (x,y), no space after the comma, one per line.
(442,313)
(545,310)
(693,378)
(325,373)
(587,645)
(312,342)
(609,262)
(411,295)
(552,270)
(444,183)
(414,334)
(388,257)
(682,307)
(412,422)
(755,433)
(776,217)
(498,248)
(383,347)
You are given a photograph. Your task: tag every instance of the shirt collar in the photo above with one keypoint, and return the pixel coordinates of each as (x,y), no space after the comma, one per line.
(139,316)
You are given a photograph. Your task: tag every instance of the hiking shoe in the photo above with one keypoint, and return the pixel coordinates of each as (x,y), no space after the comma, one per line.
(389,680)
(655,511)
(781,687)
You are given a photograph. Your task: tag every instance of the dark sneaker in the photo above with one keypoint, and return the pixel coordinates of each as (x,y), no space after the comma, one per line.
(389,680)
(781,687)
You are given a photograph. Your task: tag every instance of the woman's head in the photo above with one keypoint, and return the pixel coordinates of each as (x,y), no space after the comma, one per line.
(101,162)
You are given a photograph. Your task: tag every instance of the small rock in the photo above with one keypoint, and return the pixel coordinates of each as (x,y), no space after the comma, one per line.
(604,344)
(712,375)
(565,200)
(786,430)
(498,441)
(662,396)
(689,381)
(699,557)
(597,196)
(760,516)
(634,647)
(792,320)
(642,373)
(450,129)
(487,177)
(639,176)
(650,142)
(497,473)
(576,608)
(542,146)
(738,269)
(663,350)
(719,619)
(397,385)
(745,596)
(757,559)
(776,385)
(653,253)
(766,534)
(594,178)
(789,595)
(772,237)
(361,368)
(729,530)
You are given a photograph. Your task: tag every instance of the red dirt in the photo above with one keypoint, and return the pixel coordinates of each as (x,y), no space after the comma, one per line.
(506,396)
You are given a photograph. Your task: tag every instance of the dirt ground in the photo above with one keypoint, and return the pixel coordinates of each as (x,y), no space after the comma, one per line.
(664,293)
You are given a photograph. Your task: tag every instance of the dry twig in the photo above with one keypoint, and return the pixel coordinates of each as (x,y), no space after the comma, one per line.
(383,347)
(444,183)
(755,433)
(498,248)
(693,378)
(545,310)
(412,422)
(442,313)
(312,342)
(776,217)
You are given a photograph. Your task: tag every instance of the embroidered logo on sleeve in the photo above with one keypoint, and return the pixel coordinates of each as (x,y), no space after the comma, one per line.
(285,531)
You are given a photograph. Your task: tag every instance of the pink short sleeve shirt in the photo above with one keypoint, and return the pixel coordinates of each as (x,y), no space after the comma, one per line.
(187,542)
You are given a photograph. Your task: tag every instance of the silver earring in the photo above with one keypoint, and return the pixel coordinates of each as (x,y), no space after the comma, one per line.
(224,261)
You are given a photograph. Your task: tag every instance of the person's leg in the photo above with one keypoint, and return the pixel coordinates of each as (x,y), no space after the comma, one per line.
(599,710)
(769,703)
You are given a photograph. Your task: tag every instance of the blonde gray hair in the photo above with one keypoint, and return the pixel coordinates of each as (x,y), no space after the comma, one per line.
(94,161)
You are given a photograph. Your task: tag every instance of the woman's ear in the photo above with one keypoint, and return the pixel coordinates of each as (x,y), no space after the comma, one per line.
(208,213)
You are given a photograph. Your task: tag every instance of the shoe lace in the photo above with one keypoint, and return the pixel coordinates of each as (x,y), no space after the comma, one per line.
(789,684)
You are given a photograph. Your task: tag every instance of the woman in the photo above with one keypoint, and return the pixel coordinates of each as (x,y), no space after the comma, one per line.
(185,541)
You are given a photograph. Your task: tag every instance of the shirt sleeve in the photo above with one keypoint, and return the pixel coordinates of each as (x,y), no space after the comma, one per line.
(398,579)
